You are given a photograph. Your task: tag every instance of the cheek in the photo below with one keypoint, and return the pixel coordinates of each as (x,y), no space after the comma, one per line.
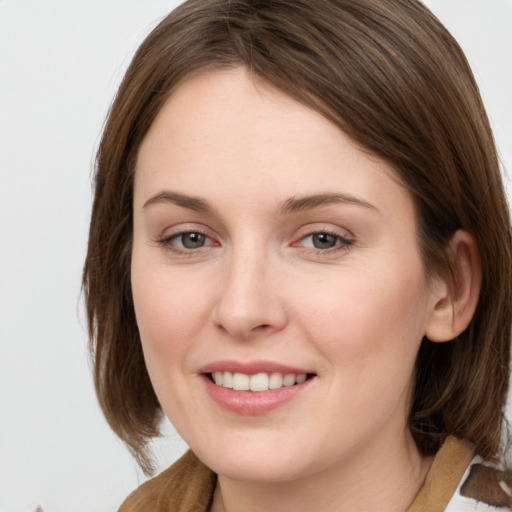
(170,311)
(374,317)
(368,332)
(170,314)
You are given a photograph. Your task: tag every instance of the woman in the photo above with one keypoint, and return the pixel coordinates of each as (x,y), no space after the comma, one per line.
(300,252)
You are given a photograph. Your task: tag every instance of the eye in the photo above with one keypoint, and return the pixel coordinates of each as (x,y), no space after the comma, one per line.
(187,241)
(190,240)
(325,241)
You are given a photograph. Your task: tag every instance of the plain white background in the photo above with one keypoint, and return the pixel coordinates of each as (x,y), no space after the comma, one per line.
(60,64)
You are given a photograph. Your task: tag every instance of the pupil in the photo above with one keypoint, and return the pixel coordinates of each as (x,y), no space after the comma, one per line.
(324,241)
(192,240)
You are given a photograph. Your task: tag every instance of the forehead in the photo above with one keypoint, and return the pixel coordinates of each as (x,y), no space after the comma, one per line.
(228,127)
(230,112)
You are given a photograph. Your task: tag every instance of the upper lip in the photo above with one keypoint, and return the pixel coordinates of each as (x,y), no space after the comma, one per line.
(252,367)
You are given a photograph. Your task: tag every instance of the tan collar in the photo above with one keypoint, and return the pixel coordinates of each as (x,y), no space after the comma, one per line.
(444,476)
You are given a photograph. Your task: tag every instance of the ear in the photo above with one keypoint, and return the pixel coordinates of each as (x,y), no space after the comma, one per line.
(456,296)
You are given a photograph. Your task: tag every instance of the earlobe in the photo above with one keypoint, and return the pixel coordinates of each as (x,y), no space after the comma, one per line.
(456,297)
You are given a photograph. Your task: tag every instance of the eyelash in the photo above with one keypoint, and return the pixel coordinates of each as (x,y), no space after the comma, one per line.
(168,244)
(342,243)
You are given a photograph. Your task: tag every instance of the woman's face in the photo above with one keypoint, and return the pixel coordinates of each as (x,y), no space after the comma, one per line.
(269,249)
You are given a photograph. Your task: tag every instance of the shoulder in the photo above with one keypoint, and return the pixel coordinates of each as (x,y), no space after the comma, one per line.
(459,481)
(485,487)
(187,485)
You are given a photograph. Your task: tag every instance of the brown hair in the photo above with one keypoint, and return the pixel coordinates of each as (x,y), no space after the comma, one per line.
(388,74)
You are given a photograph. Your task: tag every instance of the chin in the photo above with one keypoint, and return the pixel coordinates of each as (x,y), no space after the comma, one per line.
(257,469)
(258,461)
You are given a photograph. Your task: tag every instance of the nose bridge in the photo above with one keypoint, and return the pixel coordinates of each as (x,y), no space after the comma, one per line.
(249,300)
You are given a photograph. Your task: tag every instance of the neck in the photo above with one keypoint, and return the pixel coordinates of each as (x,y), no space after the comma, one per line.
(379,477)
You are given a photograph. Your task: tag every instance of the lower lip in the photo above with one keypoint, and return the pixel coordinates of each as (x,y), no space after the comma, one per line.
(253,403)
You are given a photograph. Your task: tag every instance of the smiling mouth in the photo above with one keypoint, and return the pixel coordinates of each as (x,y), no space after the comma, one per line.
(258,382)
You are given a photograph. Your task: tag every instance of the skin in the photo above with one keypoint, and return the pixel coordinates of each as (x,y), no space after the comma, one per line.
(259,289)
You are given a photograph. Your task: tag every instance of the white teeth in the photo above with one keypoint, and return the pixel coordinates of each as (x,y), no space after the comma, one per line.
(218,378)
(289,380)
(241,382)
(258,382)
(301,378)
(275,381)
(227,380)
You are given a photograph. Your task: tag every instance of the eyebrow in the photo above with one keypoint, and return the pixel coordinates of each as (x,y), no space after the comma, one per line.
(291,205)
(192,203)
(303,203)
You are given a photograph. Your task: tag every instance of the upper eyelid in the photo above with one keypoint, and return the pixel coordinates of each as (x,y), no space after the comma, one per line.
(181,233)
(321,227)
(183,228)
(344,241)
(332,233)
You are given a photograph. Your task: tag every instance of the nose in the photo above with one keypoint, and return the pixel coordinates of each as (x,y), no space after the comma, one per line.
(250,302)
